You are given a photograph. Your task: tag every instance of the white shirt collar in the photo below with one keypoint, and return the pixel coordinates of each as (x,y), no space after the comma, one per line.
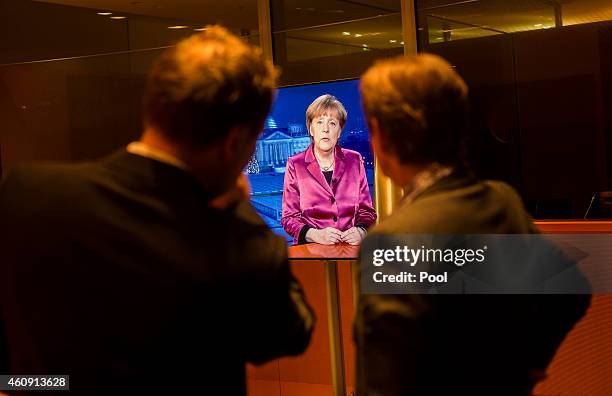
(144,150)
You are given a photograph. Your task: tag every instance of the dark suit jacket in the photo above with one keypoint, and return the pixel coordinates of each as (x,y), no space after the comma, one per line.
(460,344)
(119,274)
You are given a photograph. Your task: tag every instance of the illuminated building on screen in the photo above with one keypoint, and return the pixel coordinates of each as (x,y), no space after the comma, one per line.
(276,145)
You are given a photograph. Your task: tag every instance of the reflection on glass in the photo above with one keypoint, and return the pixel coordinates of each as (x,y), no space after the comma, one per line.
(54,29)
(440,29)
(471,19)
(378,33)
(295,14)
(337,50)
(540,78)
(456,20)
(72,78)
(70,110)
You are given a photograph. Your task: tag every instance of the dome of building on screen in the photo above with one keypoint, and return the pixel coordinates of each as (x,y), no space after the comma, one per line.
(271,123)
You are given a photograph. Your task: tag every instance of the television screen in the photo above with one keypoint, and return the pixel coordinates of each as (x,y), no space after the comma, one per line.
(285,134)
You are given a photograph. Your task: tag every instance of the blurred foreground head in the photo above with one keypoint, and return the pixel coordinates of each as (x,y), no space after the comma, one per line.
(416,109)
(208,97)
(205,85)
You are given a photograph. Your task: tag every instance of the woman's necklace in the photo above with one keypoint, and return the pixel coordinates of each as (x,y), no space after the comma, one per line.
(327,168)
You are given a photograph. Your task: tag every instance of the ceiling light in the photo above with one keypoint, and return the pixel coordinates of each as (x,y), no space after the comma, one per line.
(402,43)
(393,41)
(346,33)
(538,25)
(358,35)
(117,17)
(199,29)
(364,45)
(105,13)
(175,27)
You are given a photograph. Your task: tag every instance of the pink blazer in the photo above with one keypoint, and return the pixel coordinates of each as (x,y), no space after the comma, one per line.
(309,200)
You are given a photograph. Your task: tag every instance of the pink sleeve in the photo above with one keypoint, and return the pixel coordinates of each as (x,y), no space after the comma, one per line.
(291,219)
(366,213)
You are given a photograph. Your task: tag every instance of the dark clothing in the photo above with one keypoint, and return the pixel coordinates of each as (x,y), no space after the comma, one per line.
(4,363)
(460,344)
(328,176)
(302,237)
(110,272)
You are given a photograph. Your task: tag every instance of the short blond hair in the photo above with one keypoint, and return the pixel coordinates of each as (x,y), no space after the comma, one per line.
(421,105)
(206,84)
(321,106)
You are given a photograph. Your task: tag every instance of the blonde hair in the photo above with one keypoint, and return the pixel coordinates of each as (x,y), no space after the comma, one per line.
(321,106)
(421,105)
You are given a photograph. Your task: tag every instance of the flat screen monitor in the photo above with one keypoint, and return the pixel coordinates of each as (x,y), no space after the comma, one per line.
(285,134)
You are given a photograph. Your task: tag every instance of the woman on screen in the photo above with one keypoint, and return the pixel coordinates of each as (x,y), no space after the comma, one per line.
(326,198)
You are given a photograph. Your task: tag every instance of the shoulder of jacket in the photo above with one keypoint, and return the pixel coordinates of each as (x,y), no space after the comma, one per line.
(48,174)
(296,158)
(350,153)
(504,190)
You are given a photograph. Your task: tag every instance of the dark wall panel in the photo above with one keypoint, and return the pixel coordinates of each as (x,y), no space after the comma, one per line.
(541,112)
(487,65)
(561,115)
(105,113)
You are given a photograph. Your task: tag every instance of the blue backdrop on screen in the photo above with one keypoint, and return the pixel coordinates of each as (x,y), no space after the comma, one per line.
(285,134)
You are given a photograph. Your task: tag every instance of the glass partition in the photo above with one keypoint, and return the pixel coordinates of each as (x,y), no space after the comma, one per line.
(541,89)
(72,72)
(331,40)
